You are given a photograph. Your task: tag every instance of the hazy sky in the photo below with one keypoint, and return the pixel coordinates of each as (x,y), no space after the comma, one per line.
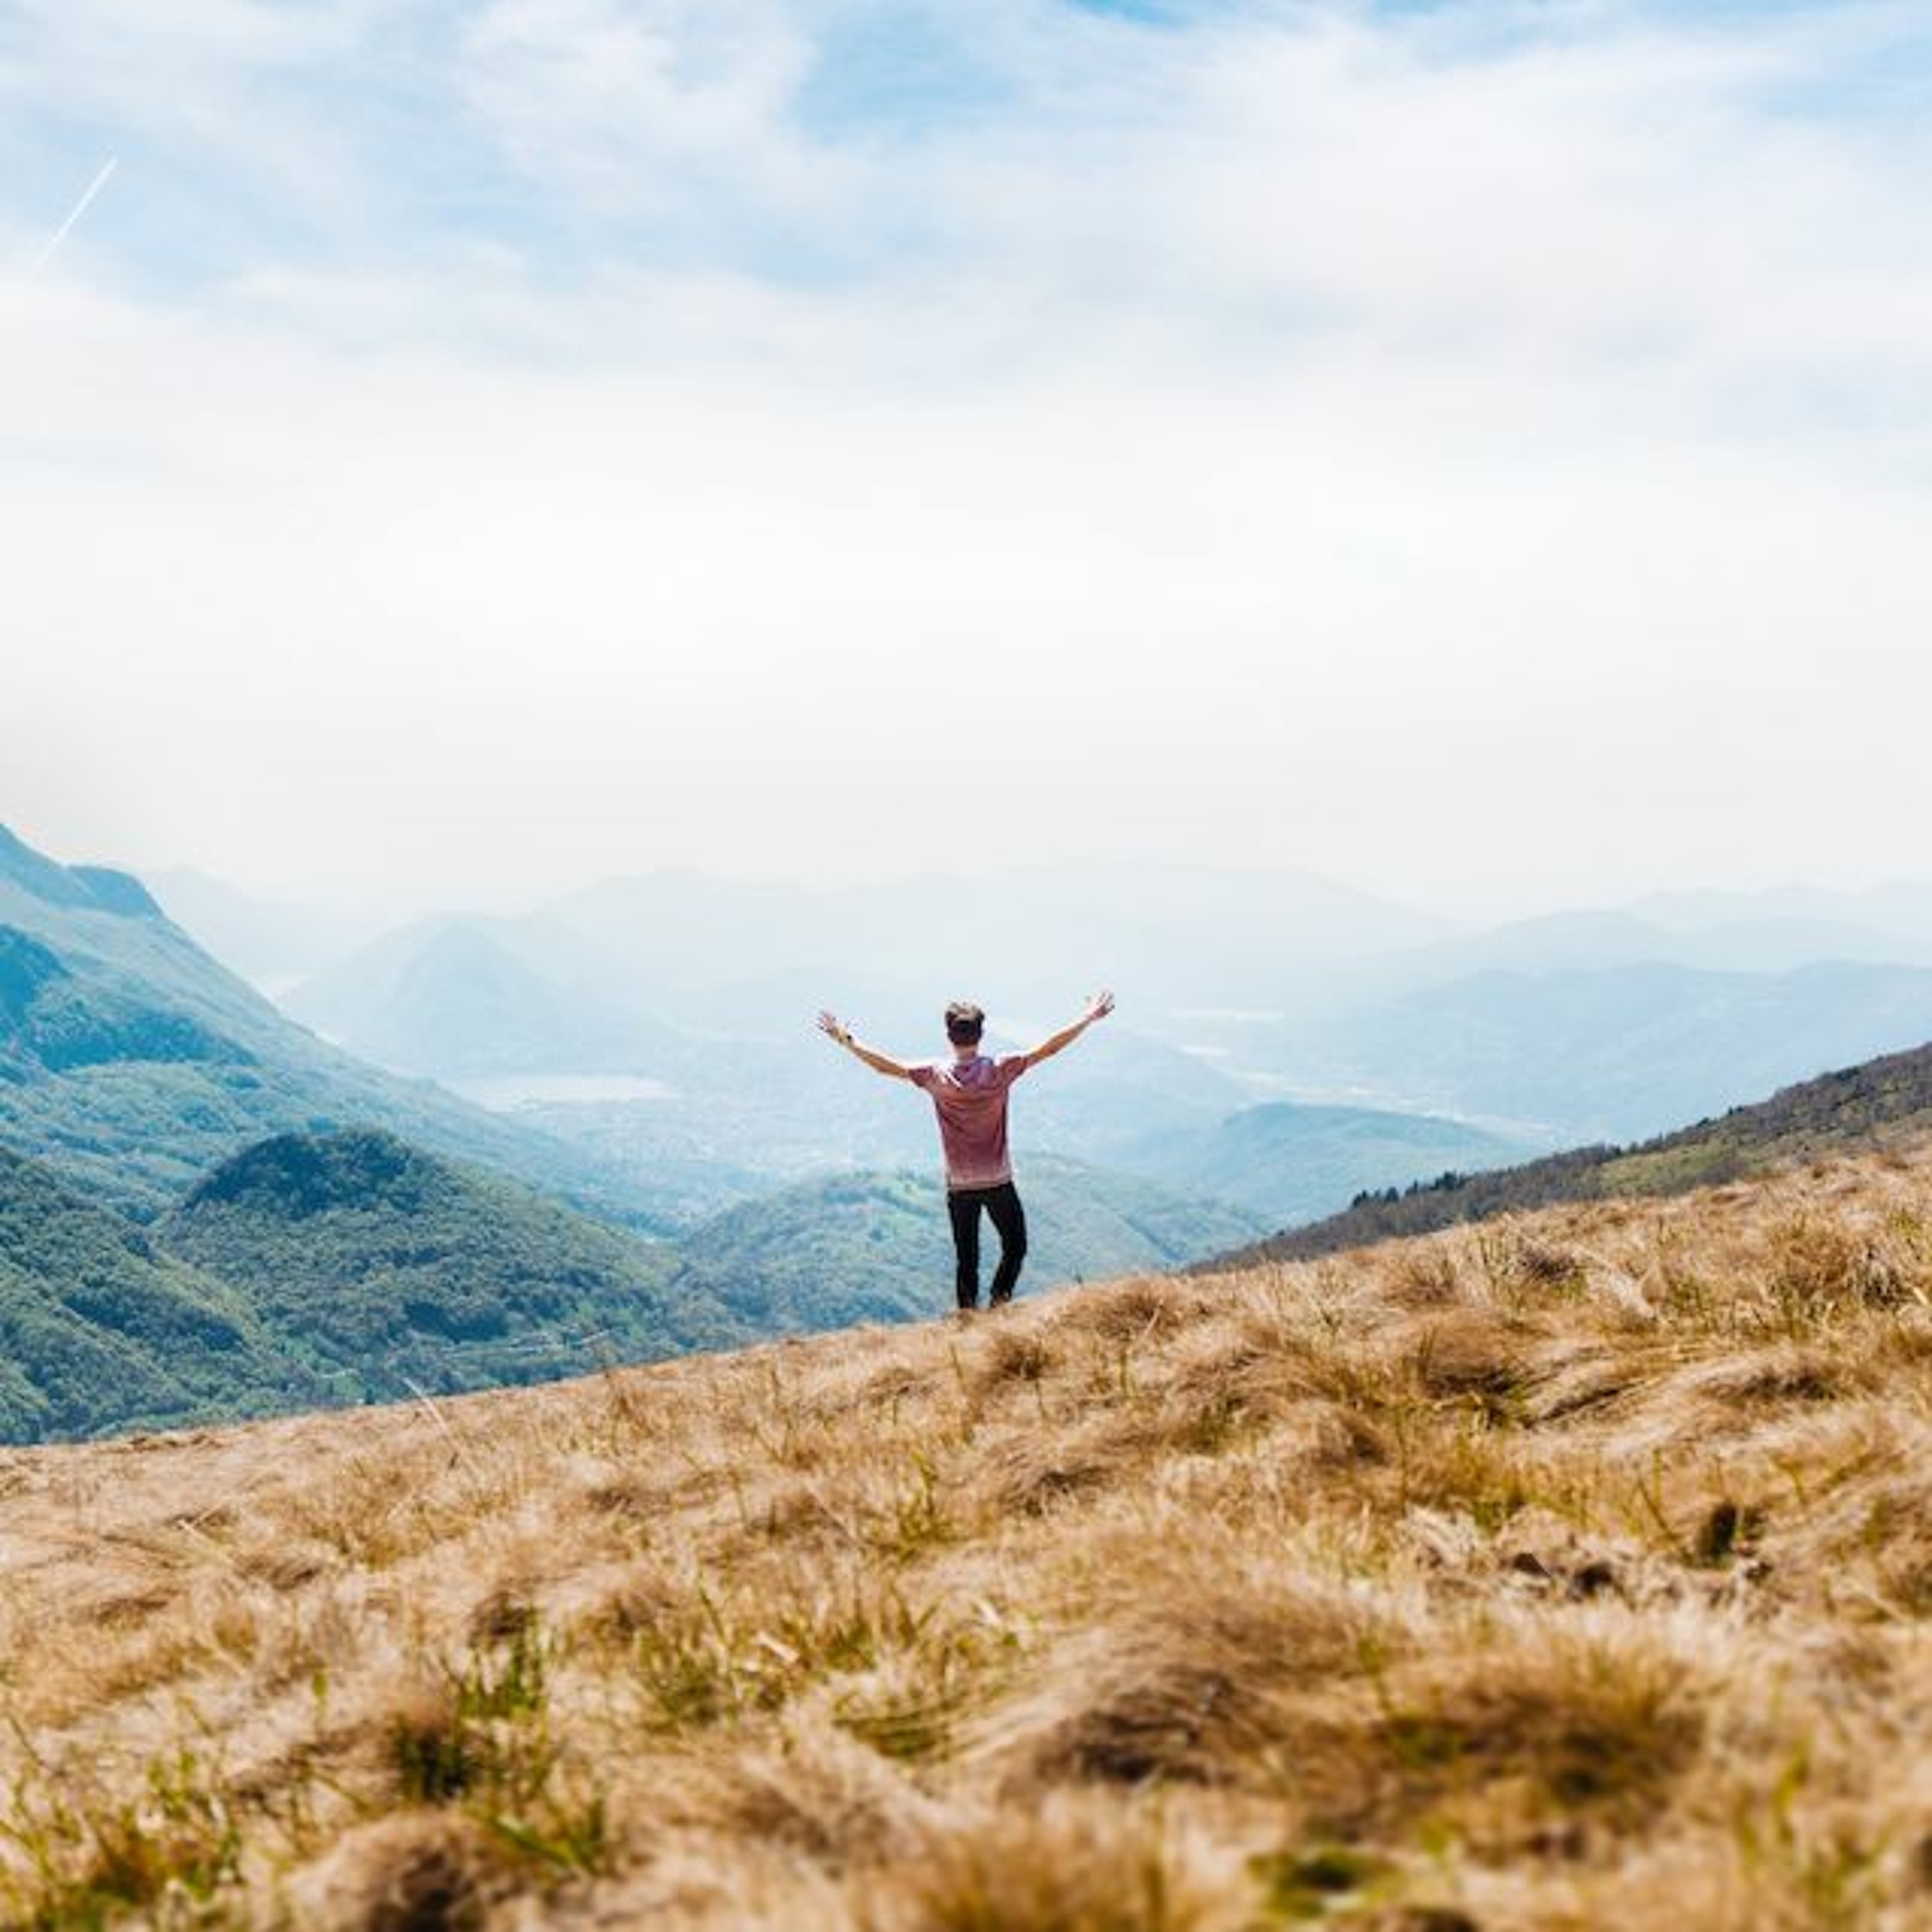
(1446,446)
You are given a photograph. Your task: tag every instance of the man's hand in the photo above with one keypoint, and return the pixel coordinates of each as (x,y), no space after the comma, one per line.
(1098,1007)
(835,1028)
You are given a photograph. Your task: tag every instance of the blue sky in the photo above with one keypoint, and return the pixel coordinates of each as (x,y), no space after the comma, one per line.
(250,132)
(1296,414)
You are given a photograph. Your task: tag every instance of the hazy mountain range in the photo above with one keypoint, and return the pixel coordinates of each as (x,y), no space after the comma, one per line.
(1238,989)
(681,1004)
(1616,1052)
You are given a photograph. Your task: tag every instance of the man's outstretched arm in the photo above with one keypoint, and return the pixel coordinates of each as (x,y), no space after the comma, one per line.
(833,1028)
(1098,1008)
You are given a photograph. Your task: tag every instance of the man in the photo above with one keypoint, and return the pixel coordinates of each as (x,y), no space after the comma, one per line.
(969,1094)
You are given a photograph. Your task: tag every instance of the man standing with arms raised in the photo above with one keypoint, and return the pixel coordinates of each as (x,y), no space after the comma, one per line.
(969,1094)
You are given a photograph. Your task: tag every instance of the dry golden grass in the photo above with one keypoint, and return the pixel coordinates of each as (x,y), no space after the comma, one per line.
(1566,1573)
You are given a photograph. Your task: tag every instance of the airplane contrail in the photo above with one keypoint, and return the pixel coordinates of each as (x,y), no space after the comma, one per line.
(79,209)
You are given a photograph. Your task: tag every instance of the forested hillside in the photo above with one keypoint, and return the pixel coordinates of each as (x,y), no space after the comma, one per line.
(386,1269)
(315,1270)
(99,1329)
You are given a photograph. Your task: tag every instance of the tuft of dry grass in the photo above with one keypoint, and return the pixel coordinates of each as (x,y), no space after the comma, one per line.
(1194,1673)
(1077,1867)
(1573,1570)
(411,1871)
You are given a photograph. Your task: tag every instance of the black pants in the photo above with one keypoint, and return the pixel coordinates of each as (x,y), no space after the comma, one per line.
(1003,1203)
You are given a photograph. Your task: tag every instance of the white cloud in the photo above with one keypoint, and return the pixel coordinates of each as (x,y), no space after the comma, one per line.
(623,102)
(1310,440)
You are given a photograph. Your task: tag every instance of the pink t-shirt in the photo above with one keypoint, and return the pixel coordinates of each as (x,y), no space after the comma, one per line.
(970,1096)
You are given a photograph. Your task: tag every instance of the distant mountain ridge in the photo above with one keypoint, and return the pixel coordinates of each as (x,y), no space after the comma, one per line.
(271,944)
(1766,941)
(1880,1103)
(131,1061)
(82,888)
(1618,1052)
(455,998)
(1290,1162)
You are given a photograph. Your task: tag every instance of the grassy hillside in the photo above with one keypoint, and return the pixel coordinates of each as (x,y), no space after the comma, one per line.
(386,1269)
(132,1062)
(874,1246)
(1882,1103)
(98,1330)
(1289,1162)
(1573,1572)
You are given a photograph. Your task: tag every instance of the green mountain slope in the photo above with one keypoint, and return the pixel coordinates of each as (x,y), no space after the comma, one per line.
(876,1245)
(1288,1161)
(387,1269)
(99,1329)
(131,1061)
(1881,1103)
